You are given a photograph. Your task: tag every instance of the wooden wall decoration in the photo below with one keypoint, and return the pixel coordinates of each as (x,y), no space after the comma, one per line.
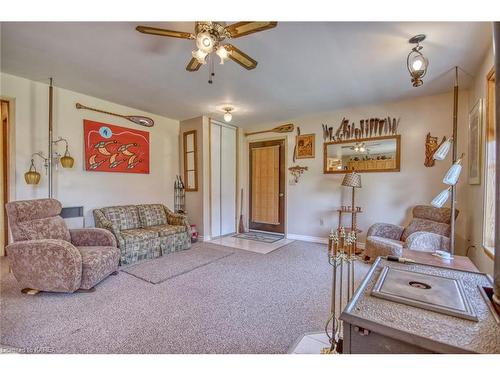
(111,148)
(305,146)
(431,145)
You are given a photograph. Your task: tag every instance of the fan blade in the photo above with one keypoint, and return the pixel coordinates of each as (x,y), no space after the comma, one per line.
(164,32)
(240,57)
(240,29)
(193,65)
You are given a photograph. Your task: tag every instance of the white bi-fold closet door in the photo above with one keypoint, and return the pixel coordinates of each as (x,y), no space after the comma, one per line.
(223,178)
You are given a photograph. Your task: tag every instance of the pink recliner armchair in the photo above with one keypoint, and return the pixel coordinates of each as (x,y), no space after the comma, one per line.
(47,256)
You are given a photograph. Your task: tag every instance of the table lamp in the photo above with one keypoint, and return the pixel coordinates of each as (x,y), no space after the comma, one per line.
(352,180)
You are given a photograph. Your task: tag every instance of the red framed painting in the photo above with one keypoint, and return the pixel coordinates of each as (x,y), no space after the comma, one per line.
(111,148)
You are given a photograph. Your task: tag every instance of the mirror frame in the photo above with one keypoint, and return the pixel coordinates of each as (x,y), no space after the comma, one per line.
(343,171)
(195,156)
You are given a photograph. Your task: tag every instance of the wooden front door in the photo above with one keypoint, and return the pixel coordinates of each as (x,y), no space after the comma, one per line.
(267,186)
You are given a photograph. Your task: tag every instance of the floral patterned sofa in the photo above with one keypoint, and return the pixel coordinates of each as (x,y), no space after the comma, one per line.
(144,231)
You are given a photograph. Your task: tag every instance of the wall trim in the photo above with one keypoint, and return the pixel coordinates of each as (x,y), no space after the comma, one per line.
(322,240)
(305,238)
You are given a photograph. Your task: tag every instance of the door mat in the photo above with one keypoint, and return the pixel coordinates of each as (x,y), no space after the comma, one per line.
(261,237)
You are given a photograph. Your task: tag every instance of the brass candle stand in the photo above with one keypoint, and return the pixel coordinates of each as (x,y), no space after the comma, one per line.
(341,253)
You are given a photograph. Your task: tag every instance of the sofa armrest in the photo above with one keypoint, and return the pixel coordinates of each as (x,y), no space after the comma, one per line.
(92,237)
(48,265)
(101,221)
(427,241)
(176,219)
(385,230)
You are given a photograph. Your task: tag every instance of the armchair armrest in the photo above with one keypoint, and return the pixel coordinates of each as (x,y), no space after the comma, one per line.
(427,241)
(48,265)
(394,232)
(92,237)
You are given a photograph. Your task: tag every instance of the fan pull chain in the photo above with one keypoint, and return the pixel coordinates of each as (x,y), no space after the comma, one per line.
(211,69)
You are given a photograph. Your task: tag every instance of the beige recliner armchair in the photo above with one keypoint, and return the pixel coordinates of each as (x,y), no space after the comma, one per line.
(429,231)
(46,256)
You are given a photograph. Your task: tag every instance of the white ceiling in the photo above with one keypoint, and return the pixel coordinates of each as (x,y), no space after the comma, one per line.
(304,67)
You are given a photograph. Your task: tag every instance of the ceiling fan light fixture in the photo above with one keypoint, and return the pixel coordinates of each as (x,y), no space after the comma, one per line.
(200,56)
(205,42)
(222,53)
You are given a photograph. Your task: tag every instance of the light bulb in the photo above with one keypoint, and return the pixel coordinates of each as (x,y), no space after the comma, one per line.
(228,116)
(200,56)
(417,64)
(222,53)
(205,42)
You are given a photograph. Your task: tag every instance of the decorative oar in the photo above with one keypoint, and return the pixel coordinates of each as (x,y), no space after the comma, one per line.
(287,128)
(139,120)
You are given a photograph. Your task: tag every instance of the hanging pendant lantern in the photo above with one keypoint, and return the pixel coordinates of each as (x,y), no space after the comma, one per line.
(416,62)
(32,177)
(67,160)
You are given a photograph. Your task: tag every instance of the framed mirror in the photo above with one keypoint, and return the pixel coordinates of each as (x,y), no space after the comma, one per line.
(190,160)
(379,154)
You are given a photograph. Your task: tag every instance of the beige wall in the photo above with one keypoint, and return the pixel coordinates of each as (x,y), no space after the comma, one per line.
(74,187)
(475,193)
(385,197)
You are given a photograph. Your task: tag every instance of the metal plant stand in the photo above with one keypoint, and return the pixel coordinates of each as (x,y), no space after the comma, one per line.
(179,196)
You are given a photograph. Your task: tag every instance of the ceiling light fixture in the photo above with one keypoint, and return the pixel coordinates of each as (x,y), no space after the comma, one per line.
(416,62)
(222,53)
(227,114)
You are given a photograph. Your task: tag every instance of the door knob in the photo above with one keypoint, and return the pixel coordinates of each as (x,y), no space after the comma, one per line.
(281,195)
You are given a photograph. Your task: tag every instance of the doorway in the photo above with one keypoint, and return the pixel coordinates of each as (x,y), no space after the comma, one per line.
(267,186)
(4,189)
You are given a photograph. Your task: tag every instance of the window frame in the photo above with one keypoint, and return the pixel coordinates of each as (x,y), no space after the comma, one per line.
(489,153)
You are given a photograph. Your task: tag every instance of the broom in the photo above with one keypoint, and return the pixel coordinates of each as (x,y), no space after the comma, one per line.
(241,226)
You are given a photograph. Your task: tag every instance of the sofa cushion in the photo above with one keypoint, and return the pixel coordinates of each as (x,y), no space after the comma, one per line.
(423,225)
(166,230)
(97,263)
(137,235)
(152,215)
(123,217)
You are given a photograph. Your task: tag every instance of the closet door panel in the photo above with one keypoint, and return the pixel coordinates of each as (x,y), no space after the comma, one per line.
(228,180)
(215,188)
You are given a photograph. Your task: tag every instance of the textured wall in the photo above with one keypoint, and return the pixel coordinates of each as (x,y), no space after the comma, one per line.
(385,197)
(75,187)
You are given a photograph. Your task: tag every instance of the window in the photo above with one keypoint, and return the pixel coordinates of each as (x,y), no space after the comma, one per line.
(489,186)
(190,160)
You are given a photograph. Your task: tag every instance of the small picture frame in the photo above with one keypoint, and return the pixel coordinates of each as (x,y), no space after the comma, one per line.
(474,144)
(305,146)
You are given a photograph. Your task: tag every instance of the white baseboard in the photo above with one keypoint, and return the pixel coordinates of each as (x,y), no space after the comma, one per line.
(323,240)
(302,237)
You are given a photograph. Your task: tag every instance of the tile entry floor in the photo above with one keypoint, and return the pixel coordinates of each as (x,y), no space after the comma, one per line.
(310,343)
(249,245)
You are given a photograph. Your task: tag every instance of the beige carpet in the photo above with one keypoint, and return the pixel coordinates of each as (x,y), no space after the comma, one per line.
(242,303)
(156,271)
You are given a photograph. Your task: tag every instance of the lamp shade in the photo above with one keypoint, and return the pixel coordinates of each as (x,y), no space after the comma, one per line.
(352,180)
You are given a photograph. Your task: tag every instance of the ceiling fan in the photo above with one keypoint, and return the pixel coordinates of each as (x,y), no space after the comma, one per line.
(210,36)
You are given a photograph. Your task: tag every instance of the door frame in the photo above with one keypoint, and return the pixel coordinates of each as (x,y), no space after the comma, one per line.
(6,127)
(282,185)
